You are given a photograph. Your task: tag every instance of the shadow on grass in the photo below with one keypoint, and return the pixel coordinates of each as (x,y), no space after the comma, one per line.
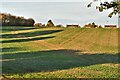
(10,49)
(27,39)
(15,28)
(52,60)
(30,34)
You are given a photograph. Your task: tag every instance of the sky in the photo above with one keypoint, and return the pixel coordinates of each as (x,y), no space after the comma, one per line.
(59,11)
(51,0)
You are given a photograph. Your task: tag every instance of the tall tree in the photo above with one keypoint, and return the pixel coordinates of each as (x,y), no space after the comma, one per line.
(114,5)
(31,21)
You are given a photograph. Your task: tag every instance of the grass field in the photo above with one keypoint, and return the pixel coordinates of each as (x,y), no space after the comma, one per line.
(29,52)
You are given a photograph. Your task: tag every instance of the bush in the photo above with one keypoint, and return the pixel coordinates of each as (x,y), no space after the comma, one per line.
(39,25)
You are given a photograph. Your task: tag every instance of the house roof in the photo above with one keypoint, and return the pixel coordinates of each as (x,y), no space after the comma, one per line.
(110,26)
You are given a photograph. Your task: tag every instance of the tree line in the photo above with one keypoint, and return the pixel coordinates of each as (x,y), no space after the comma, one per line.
(11,20)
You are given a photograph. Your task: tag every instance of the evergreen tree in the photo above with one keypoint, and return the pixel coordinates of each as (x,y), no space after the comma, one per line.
(50,24)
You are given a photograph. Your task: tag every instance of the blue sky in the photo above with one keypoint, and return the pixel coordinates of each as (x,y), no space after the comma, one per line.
(73,12)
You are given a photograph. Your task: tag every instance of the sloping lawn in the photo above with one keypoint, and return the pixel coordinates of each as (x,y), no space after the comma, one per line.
(29,52)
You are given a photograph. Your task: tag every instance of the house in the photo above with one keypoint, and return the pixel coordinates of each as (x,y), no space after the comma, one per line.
(91,25)
(73,26)
(110,26)
(88,26)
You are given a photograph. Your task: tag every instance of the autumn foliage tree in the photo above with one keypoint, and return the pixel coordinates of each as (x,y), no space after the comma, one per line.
(11,20)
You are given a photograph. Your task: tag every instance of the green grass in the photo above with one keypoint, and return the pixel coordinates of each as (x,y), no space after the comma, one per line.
(29,52)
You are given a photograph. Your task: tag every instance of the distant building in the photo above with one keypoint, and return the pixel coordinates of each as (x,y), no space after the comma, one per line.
(73,26)
(110,26)
(88,26)
(93,25)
